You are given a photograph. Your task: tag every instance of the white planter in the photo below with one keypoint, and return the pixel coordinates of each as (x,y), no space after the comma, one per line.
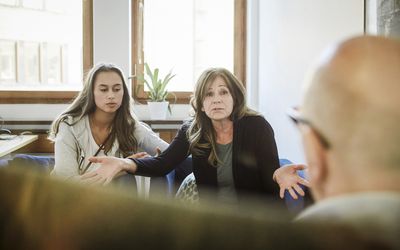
(158,110)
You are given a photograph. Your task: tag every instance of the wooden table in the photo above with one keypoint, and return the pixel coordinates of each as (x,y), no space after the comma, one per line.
(17,142)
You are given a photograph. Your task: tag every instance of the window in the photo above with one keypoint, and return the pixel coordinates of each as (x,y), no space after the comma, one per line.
(198,35)
(43,62)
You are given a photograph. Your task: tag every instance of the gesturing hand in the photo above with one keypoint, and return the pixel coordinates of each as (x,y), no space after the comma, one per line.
(110,168)
(288,179)
(139,155)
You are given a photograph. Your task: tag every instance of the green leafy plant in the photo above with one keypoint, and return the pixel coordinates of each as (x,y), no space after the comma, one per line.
(156,84)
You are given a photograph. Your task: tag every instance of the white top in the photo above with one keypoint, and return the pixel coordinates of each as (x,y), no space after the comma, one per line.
(76,142)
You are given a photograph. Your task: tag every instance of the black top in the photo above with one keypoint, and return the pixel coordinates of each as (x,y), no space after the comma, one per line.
(254,159)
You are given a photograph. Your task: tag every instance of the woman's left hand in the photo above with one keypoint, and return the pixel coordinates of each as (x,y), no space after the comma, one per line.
(111,167)
(139,155)
(288,179)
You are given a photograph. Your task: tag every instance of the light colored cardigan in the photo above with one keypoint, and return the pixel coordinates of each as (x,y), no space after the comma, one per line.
(75,142)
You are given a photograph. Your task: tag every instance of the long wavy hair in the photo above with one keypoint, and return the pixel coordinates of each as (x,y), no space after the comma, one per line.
(201,133)
(123,126)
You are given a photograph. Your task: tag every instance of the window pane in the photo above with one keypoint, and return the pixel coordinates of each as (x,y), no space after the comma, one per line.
(9,2)
(7,62)
(30,62)
(52,63)
(56,5)
(198,35)
(34,4)
(50,47)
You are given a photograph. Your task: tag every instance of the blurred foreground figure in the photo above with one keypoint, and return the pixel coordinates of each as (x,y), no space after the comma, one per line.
(349,122)
(37,212)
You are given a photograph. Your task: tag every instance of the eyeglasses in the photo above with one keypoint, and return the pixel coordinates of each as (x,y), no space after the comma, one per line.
(295,116)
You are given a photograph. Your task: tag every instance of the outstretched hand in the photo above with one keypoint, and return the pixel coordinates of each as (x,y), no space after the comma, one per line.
(111,167)
(139,155)
(288,179)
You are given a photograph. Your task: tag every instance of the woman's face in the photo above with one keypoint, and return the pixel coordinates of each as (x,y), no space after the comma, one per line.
(218,101)
(108,91)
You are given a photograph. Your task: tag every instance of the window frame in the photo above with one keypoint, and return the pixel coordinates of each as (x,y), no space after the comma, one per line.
(240,34)
(56,96)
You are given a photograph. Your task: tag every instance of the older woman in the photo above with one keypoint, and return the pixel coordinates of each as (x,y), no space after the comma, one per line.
(233,147)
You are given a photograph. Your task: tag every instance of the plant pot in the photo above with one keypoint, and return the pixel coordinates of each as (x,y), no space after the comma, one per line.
(158,110)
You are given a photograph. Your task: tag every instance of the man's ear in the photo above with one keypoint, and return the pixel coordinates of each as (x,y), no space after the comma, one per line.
(316,157)
(320,157)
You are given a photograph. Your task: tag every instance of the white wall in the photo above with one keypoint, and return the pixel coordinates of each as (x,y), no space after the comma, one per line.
(291,35)
(252,59)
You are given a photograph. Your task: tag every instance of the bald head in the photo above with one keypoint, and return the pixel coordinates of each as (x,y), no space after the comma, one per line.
(353,100)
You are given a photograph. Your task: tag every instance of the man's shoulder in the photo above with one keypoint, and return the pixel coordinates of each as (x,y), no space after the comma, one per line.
(374,211)
(353,206)
(374,214)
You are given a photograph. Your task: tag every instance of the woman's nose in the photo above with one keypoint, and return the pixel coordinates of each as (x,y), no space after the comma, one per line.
(216,99)
(111,95)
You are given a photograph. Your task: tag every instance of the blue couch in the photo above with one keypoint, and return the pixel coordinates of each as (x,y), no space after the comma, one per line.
(167,185)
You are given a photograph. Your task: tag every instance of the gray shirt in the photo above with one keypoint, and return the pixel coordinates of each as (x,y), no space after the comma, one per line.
(226,186)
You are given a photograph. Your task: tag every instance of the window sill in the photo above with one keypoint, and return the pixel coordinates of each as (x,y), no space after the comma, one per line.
(35,97)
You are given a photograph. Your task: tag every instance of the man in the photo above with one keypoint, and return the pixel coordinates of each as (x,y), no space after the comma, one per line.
(349,122)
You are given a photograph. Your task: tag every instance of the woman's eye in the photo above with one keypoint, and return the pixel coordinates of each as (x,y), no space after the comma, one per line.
(224,92)
(209,94)
(117,89)
(103,90)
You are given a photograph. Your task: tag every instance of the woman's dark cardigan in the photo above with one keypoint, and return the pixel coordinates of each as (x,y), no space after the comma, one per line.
(254,159)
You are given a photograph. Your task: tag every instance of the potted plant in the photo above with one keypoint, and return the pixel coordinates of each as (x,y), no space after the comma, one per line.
(158,92)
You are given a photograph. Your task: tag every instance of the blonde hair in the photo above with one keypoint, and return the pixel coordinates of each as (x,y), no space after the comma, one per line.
(124,123)
(201,134)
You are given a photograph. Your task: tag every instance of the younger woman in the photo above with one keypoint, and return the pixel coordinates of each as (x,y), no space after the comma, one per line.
(99,122)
